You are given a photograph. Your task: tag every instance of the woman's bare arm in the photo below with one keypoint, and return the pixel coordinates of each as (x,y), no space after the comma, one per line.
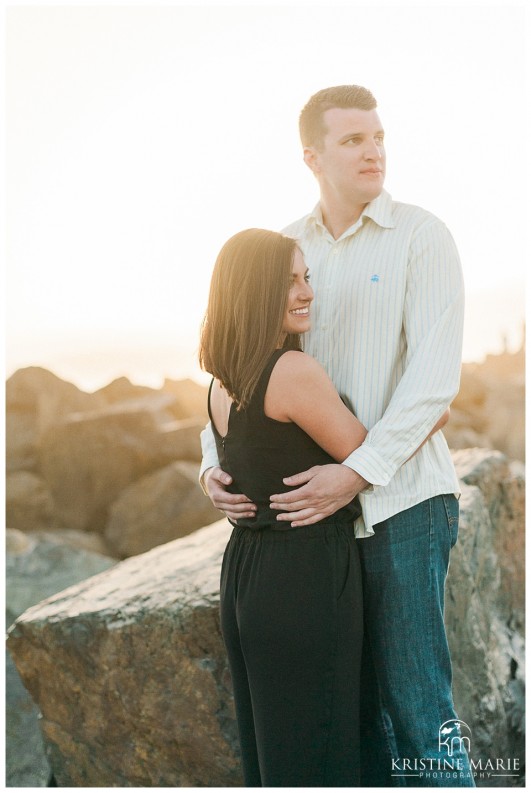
(301,391)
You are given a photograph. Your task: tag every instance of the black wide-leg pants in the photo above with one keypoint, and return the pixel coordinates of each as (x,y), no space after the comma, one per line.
(292,622)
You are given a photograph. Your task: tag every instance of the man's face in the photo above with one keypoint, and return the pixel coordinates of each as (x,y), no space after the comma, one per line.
(350,165)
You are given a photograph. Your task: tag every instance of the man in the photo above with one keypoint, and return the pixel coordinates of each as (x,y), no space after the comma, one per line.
(387,327)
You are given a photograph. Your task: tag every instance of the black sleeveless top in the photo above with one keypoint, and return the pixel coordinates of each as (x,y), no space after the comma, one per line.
(258,452)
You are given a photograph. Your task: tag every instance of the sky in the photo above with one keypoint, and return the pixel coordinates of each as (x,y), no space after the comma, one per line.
(139,138)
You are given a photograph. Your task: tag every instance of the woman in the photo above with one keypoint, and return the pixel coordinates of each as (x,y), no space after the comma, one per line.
(291,599)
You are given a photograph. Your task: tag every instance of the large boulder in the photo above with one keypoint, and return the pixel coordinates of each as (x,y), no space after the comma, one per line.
(131,677)
(488,411)
(38,393)
(28,388)
(485,606)
(122,390)
(36,399)
(130,673)
(74,538)
(26,762)
(501,486)
(37,566)
(160,507)
(462,433)
(21,441)
(506,428)
(29,503)
(88,458)
(180,439)
(191,397)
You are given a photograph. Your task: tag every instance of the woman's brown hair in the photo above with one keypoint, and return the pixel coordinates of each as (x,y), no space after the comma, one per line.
(246,307)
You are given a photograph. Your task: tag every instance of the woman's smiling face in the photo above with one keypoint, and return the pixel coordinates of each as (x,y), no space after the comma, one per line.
(297,317)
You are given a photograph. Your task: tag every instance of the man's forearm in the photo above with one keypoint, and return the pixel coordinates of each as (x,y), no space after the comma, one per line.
(371,463)
(433,328)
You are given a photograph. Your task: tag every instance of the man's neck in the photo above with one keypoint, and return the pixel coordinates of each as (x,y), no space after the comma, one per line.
(338,218)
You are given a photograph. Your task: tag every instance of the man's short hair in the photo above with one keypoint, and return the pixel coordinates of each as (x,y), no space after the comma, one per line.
(311,124)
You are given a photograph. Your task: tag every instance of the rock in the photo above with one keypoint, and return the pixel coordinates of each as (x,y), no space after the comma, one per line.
(25,388)
(191,397)
(35,569)
(21,441)
(36,399)
(43,395)
(82,540)
(462,432)
(472,389)
(160,507)
(502,487)
(89,458)
(122,390)
(489,411)
(180,440)
(130,672)
(17,542)
(26,763)
(137,651)
(484,603)
(29,503)
(507,425)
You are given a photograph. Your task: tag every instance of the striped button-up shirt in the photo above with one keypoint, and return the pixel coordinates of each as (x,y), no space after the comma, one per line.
(387,325)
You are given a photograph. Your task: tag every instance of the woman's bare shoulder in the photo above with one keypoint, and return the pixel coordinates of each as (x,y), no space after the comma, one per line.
(296,378)
(300,364)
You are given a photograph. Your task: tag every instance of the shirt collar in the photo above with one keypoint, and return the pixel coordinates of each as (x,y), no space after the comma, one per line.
(379,210)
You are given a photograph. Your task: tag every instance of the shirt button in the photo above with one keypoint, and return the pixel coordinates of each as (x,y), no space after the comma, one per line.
(324,327)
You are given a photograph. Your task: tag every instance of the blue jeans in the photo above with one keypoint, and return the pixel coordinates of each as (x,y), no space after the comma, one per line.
(406,696)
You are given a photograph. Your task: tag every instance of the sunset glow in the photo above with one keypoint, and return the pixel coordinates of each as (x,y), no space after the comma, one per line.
(139,138)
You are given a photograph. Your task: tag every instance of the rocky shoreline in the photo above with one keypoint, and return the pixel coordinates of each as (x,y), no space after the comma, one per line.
(129,673)
(87,462)
(112,583)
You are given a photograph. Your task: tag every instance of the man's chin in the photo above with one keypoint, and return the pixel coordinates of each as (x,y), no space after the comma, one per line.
(370,195)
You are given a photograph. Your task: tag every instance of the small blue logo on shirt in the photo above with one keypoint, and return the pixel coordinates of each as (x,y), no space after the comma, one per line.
(375,278)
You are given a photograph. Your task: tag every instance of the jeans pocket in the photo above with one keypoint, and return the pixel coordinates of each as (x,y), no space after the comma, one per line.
(451,505)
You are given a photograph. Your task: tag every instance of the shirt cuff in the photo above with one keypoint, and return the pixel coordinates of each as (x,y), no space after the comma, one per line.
(208,461)
(369,464)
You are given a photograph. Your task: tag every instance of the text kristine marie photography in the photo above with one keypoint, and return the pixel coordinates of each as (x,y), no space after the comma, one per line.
(455,738)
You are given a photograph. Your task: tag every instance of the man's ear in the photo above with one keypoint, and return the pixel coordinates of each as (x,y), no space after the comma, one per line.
(311,159)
